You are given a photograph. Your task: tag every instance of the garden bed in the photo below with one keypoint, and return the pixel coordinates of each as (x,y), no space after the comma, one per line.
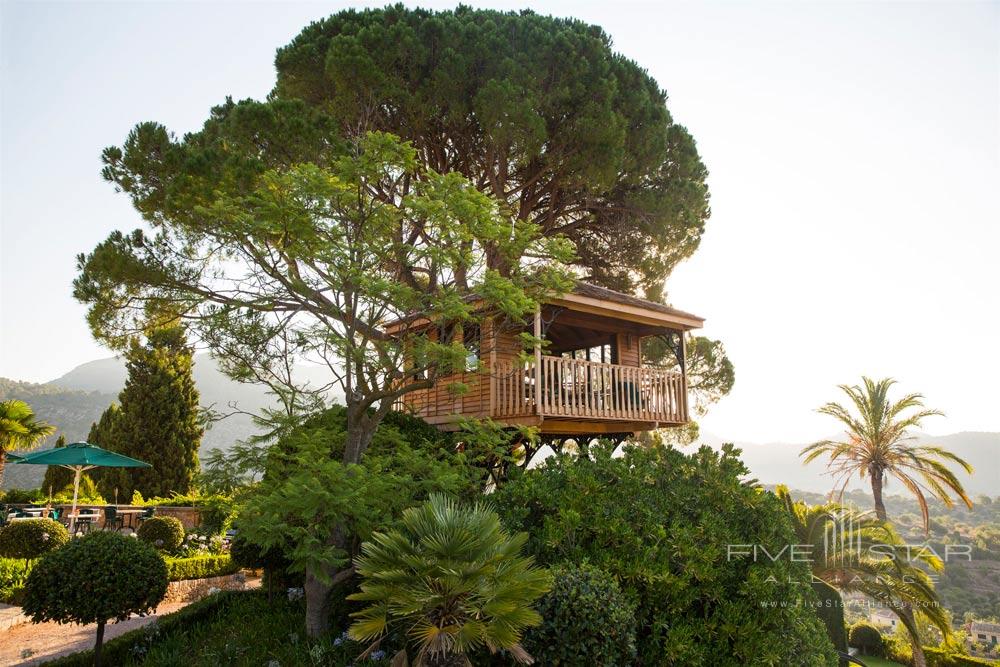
(229,628)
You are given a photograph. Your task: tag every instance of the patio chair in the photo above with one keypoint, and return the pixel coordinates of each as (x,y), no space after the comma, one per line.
(147,513)
(112,519)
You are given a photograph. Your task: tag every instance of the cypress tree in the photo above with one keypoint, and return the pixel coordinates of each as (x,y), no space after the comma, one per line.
(102,433)
(159,420)
(56,477)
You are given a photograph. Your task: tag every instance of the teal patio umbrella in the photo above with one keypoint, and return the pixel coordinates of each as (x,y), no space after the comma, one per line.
(79,456)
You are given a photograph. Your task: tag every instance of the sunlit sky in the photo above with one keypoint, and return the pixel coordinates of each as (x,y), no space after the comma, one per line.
(853,149)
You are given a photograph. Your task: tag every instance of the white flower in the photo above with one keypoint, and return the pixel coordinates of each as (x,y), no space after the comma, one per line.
(213,590)
(159,543)
(45,537)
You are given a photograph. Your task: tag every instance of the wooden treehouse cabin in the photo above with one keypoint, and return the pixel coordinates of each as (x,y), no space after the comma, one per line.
(589,380)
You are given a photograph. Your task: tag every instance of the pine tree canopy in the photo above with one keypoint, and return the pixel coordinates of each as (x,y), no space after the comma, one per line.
(538,112)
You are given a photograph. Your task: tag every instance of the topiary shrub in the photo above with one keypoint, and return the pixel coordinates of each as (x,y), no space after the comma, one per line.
(166,533)
(866,638)
(587,620)
(32,538)
(99,577)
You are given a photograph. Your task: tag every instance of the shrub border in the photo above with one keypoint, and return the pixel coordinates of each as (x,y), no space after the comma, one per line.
(120,650)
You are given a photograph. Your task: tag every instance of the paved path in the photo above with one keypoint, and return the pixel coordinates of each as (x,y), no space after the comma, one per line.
(34,643)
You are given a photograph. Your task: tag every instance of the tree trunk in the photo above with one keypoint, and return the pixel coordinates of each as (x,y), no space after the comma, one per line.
(99,643)
(919,660)
(360,429)
(3,463)
(877,483)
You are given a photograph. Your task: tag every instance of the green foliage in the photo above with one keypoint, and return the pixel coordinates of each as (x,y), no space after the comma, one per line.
(22,496)
(660,522)
(232,628)
(99,577)
(13,574)
(19,429)
(31,538)
(315,510)
(166,533)
(57,477)
(159,420)
(587,620)
(87,494)
(867,638)
(831,611)
(200,567)
(549,95)
(452,579)
(898,649)
(937,657)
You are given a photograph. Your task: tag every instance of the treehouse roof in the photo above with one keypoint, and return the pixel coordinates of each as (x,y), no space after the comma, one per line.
(600,301)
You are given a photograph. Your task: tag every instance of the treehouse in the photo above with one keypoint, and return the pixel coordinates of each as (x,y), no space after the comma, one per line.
(589,378)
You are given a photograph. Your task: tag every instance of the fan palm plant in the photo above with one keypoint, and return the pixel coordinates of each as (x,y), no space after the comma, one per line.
(19,429)
(452,580)
(857,552)
(878,447)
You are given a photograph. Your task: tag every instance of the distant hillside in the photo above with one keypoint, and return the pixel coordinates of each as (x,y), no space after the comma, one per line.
(75,400)
(779,463)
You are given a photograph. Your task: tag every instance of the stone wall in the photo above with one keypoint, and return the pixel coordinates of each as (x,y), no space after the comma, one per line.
(195,589)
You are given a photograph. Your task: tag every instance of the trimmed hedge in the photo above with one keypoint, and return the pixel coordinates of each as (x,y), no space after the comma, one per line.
(200,567)
(121,650)
(166,533)
(939,657)
(831,611)
(32,538)
(867,638)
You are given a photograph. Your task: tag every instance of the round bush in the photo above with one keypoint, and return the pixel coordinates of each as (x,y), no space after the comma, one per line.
(866,638)
(166,533)
(94,579)
(32,538)
(587,621)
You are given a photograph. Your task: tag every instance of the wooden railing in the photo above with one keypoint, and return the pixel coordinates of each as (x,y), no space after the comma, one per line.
(587,389)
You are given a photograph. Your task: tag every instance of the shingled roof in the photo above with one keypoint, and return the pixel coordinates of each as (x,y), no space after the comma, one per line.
(596,292)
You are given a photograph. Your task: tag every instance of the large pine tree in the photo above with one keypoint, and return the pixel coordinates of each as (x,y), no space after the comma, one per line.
(158,420)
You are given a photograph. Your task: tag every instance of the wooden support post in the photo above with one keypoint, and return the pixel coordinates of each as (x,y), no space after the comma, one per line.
(684,381)
(538,360)
(489,337)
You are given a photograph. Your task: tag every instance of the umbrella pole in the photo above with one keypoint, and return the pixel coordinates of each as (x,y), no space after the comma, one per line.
(76,491)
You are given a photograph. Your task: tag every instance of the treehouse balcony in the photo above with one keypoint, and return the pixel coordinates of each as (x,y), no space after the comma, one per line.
(610,364)
(587,390)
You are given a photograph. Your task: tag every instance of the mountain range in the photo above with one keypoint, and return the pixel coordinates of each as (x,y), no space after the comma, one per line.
(75,400)
(72,402)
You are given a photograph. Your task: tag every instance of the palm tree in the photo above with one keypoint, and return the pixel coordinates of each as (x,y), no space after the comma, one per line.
(19,429)
(878,447)
(453,580)
(857,552)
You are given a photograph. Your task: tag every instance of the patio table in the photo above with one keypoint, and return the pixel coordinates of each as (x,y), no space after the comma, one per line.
(131,514)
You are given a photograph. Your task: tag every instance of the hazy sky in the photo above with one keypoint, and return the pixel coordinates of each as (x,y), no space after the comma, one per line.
(853,149)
